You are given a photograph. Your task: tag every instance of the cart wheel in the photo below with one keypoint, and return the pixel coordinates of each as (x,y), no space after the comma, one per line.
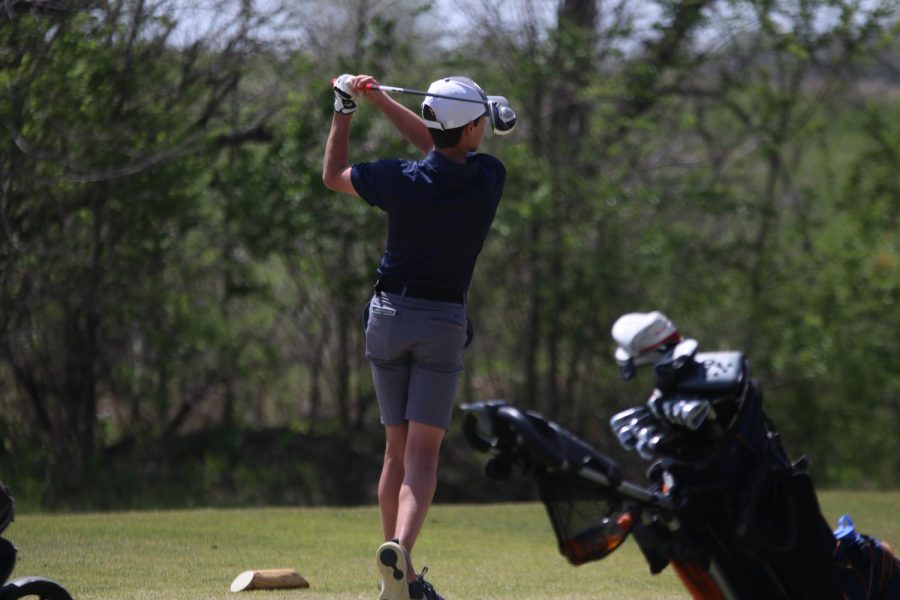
(34,587)
(7,559)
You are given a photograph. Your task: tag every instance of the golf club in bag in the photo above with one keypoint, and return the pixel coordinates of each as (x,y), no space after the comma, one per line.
(723,505)
(22,587)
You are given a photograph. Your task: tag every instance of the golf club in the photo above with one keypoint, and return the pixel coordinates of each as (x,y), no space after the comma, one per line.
(503,117)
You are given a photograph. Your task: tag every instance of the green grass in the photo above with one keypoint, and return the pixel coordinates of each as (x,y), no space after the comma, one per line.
(500,551)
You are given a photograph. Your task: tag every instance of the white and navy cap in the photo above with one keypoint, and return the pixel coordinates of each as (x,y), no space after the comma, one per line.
(460,102)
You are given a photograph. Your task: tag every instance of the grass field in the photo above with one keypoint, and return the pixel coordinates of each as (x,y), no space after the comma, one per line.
(500,551)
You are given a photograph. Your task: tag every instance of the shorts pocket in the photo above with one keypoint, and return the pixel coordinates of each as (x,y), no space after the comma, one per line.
(382,331)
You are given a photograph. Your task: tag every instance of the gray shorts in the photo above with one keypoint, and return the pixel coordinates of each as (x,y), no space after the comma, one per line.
(415,348)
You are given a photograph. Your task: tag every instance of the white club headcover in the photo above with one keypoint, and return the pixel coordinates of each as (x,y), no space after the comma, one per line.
(640,335)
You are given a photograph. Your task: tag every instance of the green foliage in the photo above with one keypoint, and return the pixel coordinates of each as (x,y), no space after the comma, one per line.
(846,350)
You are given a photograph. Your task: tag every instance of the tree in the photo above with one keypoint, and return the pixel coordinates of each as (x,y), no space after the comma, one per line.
(100,194)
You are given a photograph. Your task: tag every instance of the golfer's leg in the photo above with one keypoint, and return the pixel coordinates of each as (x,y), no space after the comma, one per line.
(423,445)
(390,363)
(392,474)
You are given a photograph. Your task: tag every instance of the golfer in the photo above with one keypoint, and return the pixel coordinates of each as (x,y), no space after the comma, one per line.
(439,210)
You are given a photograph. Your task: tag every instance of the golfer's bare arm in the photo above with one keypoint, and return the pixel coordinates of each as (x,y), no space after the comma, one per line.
(336,167)
(408,123)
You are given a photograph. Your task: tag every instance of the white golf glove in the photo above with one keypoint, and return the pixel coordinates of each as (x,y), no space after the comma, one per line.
(343,97)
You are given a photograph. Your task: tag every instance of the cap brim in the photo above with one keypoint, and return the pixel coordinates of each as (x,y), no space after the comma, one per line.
(498,100)
(621,355)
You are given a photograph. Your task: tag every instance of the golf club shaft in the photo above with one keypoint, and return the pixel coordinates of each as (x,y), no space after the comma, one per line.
(400,90)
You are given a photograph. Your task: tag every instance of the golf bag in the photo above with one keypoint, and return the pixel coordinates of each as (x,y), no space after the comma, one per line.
(22,587)
(867,567)
(724,505)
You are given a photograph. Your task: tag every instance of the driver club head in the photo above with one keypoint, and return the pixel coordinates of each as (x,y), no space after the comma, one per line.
(503,117)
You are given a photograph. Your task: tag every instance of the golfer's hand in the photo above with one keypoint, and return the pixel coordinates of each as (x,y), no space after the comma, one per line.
(362,84)
(343,94)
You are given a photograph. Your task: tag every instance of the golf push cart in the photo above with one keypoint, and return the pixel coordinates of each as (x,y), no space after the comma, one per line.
(724,505)
(22,587)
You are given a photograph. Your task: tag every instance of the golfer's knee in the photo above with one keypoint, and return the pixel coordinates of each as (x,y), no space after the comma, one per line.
(394,453)
(420,464)
(394,466)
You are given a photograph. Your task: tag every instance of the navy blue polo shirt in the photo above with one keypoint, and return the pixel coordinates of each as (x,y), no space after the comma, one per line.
(439,213)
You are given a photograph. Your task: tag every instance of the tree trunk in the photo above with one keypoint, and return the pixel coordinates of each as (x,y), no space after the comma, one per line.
(569,123)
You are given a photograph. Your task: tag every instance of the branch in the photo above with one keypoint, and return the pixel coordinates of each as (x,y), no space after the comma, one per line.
(258,133)
(84,175)
(14,8)
(642,93)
